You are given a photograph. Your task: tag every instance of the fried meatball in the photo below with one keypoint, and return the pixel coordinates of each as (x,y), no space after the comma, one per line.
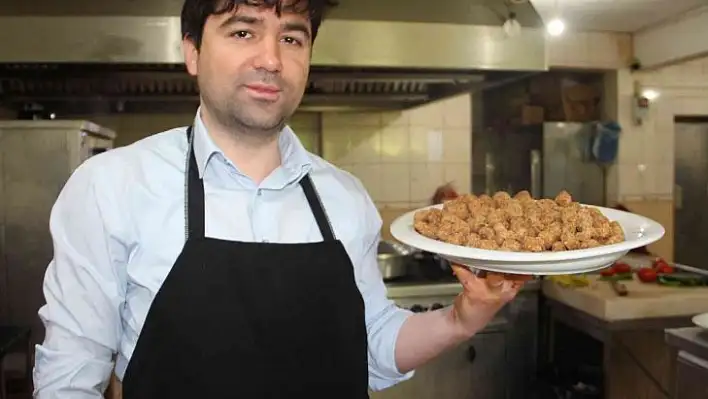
(513,209)
(511,245)
(488,244)
(487,233)
(523,196)
(533,244)
(501,198)
(457,208)
(589,244)
(558,246)
(564,199)
(477,222)
(473,240)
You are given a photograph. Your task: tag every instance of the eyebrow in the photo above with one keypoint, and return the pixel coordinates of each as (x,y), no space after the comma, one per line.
(297,27)
(235,19)
(244,19)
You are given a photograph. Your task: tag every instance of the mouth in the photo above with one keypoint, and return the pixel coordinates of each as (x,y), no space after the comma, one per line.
(264,92)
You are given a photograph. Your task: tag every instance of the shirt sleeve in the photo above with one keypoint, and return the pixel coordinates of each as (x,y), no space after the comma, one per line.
(83,293)
(383,318)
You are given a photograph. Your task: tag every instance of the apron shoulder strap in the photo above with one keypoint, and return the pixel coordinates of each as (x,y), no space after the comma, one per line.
(317,209)
(194,187)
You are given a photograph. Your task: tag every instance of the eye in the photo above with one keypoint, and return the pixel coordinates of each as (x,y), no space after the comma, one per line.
(292,40)
(242,34)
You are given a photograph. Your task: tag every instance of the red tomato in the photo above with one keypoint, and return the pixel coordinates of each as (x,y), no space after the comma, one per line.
(647,275)
(621,267)
(665,269)
(662,266)
(609,272)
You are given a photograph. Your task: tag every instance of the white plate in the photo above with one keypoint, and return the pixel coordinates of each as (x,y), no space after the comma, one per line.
(638,230)
(701,320)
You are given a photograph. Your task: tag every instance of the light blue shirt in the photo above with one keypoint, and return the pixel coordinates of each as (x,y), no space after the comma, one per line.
(118,226)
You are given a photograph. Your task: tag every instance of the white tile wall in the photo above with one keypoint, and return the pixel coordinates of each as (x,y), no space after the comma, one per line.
(402,157)
(645,177)
(646,157)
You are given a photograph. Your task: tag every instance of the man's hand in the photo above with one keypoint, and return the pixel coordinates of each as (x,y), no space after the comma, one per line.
(482,297)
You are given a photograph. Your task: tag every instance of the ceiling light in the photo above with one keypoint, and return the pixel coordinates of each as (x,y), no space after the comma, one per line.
(555,27)
(511,27)
(650,94)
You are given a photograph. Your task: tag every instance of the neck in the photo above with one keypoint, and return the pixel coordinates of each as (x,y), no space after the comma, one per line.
(256,154)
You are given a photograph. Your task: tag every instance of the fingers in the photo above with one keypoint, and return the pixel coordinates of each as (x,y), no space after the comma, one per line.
(490,290)
(467,272)
(494,280)
(494,288)
(463,274)
(519,277)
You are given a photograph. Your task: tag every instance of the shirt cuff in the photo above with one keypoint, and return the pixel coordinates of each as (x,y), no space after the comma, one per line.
(383,371)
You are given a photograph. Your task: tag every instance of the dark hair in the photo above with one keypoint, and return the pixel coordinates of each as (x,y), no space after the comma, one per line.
(196,12)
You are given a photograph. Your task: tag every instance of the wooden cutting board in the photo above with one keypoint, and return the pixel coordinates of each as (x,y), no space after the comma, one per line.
(643,300)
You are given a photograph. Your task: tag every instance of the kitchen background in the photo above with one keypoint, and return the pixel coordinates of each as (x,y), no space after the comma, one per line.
(402,156)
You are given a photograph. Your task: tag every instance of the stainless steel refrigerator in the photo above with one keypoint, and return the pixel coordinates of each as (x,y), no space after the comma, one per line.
(691,191)
(545,159)
(36,159)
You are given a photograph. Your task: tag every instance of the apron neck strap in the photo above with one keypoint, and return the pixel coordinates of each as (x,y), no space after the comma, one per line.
(194,198)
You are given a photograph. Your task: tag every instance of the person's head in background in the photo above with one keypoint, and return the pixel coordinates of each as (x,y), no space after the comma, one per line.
(251,59)
(444,193)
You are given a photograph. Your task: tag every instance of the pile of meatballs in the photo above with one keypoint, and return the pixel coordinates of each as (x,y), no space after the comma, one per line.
(518,224)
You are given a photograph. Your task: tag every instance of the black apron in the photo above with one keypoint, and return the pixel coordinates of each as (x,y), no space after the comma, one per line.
(252,320)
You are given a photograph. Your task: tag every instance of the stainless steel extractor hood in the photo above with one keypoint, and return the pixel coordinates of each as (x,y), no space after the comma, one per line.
(370,54)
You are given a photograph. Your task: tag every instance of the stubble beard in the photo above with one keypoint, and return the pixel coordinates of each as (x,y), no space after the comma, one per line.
(241,122)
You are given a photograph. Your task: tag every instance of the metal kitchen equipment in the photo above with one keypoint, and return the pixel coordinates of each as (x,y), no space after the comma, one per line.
(129,58)
(690,190)
(394,259)
(36,159)
(546,159)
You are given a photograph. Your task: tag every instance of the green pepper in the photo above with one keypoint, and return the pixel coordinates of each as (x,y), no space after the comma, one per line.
(669,281)
(617,277)
(682,279)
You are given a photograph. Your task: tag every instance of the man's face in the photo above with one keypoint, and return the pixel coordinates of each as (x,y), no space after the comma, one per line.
(252,66)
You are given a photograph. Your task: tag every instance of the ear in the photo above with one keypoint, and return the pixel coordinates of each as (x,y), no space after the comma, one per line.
(191,56)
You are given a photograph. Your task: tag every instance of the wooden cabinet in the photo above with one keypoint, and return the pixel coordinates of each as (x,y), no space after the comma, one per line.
(691,377)
(473,370)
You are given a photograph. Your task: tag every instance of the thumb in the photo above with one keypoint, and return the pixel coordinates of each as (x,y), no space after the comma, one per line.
(463,274)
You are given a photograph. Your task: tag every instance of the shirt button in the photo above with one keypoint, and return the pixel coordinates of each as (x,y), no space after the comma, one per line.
(259,192)
(265,240)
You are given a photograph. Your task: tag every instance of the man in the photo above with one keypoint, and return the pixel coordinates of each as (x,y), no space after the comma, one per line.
(223,260)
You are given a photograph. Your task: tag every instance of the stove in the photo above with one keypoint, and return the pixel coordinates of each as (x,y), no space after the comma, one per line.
(428,285)
(423,297)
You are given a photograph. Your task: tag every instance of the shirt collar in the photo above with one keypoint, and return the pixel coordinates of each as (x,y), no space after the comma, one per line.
(295,160)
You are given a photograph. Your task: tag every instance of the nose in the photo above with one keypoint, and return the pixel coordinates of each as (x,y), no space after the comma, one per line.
(269,57)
